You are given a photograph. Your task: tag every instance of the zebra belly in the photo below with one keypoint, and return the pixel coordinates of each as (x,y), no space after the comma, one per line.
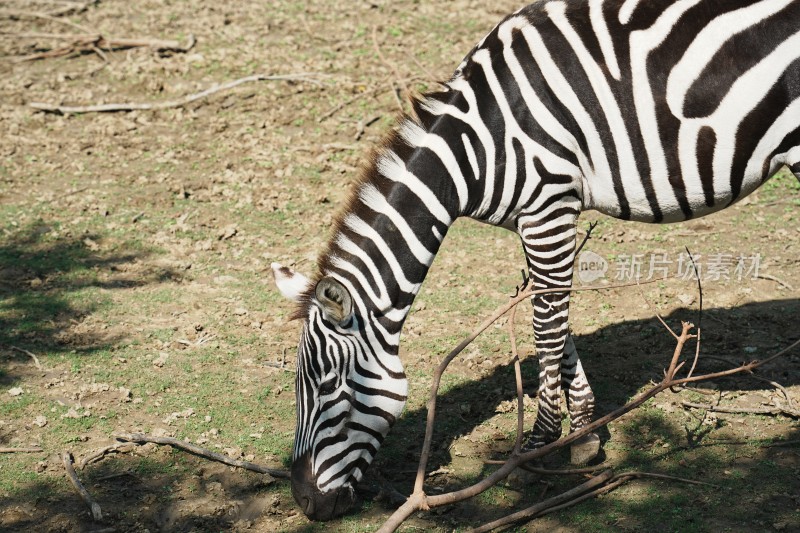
(697,198)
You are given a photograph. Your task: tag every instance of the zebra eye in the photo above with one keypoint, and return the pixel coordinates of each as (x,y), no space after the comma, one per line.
(327,387)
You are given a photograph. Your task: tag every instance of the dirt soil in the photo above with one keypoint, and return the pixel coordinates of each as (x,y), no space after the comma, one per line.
(134,264)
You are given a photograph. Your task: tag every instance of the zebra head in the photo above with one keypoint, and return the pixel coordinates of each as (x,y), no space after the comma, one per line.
(348,396)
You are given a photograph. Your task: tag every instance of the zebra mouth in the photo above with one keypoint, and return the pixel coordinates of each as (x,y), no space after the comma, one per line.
(317,505)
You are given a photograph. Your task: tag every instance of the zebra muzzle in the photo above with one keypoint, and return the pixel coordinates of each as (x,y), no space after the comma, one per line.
(315,504)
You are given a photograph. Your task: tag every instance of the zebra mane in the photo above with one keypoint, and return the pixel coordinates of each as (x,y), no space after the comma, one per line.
(391,142)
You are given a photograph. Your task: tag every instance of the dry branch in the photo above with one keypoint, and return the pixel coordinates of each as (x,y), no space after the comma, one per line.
(396,82)
(525,293)
(44,16)
(140,438)
(120,447)
(588,489)
(419,500)
(776,280)
(29,354)
(106,108)
(381,88)
(97,514)
(793,413)
(67,7)
(534,510)
(90,42)
(34,449)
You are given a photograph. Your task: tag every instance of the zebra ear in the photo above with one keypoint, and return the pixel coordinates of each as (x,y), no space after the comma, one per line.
(292,285)
(334,299)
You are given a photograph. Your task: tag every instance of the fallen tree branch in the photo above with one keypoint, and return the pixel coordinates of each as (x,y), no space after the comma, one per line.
(793,413)
(548,471)
(89,42)
(526,292)
(29,354)
(106,108)
(68,7)
(33,449)
(120,447)
(140,438)
(537,509)
(13,14)
(97,514)
(419,500)
(584,491)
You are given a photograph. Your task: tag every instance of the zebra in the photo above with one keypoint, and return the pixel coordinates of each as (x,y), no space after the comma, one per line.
(657,111)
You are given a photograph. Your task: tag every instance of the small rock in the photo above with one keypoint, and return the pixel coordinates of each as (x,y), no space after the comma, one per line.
(686,299)
(161,359)
(233,452)
(15,391)
(40,421)
(227,232)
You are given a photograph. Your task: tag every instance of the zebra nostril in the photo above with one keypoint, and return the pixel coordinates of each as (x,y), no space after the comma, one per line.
(307,505)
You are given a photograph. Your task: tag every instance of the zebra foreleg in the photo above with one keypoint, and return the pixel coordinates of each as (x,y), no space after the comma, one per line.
(549,244)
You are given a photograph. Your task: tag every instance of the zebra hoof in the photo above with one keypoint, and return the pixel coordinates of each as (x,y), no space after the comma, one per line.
(519,479)
(585,449)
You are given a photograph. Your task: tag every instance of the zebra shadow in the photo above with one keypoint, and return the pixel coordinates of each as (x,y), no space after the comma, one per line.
(619,359)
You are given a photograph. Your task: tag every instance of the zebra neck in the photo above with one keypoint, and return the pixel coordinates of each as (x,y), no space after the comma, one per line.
(388,237)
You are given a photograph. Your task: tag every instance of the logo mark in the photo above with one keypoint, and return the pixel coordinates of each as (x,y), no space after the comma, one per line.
(591,267)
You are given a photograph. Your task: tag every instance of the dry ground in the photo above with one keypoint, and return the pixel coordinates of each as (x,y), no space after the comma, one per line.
(134,261)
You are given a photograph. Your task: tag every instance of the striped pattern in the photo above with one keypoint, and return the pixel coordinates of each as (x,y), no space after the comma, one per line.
(653,111)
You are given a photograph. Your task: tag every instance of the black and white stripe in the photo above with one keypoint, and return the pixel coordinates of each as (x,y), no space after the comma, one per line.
(653,111)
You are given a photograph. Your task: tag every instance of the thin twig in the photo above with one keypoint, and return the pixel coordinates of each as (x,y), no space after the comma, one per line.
(580,493)
(778,386)
(29,354)
(97,514)
(380,88)
(279,366)
(140,438)
(32,15)
(776,280)
(793,413)
(518,381)
(775,384)
(424,70)
(397,78)
(640,475)
(88,43)
(586,237)
(68,8)
(699,312)
(104,108)
(34,449)
(536,509)
(547,471)
(655,312)
(120,447)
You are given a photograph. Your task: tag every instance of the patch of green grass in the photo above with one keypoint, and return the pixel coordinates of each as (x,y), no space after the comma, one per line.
(15,406)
